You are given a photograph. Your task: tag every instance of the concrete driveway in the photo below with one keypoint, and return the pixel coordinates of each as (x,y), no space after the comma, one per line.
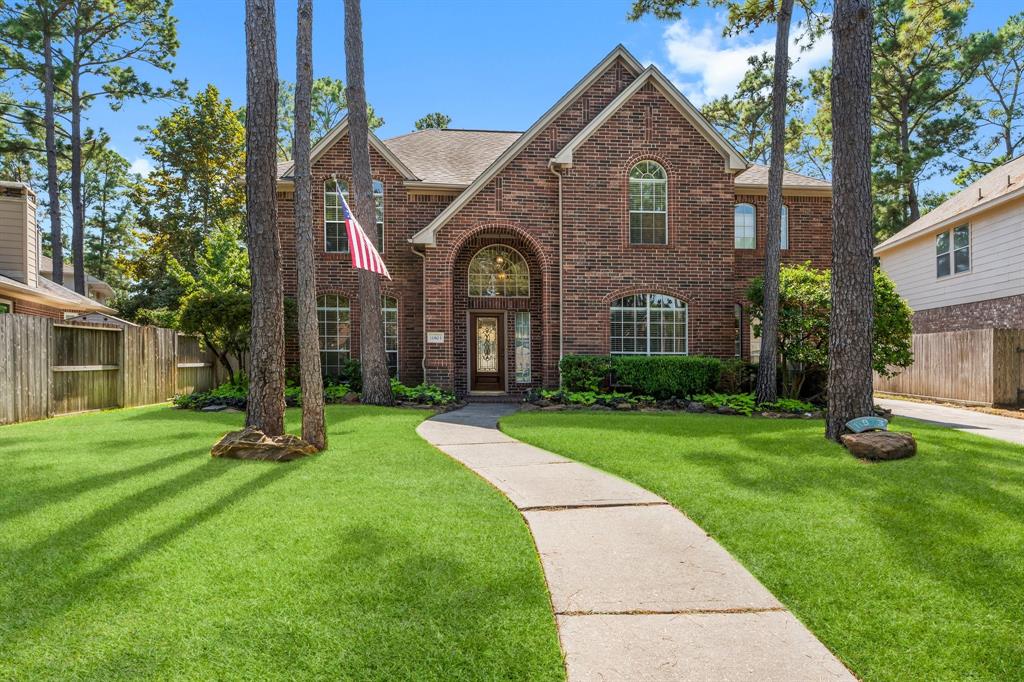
(992,425)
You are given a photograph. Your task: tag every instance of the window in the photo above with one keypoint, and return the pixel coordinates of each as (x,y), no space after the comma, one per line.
(953,256)
(335,237)
(389,311)
(649,324)
(334,318)
(523,347)
(6,306)
(648,204)
(784,228)
(498,270)
(746,227)
(737,313)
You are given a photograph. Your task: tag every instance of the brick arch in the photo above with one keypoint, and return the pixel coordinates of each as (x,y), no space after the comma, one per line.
(455,251)
(631,291)
(647,156)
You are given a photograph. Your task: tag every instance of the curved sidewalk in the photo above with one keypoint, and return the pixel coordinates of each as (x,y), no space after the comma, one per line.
(639,591)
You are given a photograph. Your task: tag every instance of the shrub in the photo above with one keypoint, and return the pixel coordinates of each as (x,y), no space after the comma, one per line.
(588,398)
(667,376)
(585,372)
(350,374)
(737,376)
(744,403)
(424,394)
(789,405)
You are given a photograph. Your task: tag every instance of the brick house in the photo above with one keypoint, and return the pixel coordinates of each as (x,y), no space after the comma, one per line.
(620,222)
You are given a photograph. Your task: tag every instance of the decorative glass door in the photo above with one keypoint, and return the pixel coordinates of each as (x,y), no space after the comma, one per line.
(486,353)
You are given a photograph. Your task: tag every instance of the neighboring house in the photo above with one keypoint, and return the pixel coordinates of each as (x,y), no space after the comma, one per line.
(95,288)
(621,222)
(23,289)
(961,266)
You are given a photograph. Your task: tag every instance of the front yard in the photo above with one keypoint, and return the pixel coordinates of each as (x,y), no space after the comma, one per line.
(906,570)
(126,552)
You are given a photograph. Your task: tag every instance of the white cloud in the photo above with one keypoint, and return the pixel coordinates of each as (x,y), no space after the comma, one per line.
(705,65)
(142,166)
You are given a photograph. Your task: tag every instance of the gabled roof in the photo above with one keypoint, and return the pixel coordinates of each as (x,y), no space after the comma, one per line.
(756,178)
(1002,185)
(450,156)
(426,235)
(46,270)
(50,294)
(286,168)
(733,160)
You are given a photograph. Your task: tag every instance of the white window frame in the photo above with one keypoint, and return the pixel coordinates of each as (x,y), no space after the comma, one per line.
(659,185)
(646,309)
(736,238)
(321,322)
(951,251)
(470,277)
(384,310)
(378,204)
(9,303)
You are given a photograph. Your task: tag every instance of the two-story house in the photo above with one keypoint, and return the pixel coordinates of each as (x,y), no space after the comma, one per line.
(620,222)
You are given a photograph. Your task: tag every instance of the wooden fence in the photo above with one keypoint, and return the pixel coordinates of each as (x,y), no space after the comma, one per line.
(978,366)
(49,368)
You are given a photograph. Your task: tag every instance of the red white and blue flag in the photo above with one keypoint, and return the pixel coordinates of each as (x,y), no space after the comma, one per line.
(364,254)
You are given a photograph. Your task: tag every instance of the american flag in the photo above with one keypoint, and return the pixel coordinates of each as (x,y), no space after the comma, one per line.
(364,254)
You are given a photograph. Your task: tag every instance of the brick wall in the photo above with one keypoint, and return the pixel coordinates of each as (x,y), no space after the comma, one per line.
(23,307)
(998,313)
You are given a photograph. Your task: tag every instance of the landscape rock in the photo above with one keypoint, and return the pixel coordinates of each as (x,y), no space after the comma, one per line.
(350,397)
(623,406)
(880,445)
(214,408)
(695,407)
(543,403)
(251,443)
(553,408)
(725,409)
(883,413)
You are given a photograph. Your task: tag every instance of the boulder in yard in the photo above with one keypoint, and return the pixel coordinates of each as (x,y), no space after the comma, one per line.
(880,445)
(214,408)
(694,406)
(251,443)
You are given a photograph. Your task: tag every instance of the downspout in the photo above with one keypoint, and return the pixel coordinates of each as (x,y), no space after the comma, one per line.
(423,312)
(561,313)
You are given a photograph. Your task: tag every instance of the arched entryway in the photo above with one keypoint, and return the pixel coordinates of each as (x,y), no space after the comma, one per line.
(497,308)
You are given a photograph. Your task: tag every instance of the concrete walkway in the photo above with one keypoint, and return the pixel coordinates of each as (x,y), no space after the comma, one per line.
(639,591)
(992,425)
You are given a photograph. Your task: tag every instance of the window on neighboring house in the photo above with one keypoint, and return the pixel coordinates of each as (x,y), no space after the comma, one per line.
(649,324)
(6,306)
(784,228)
(500,271)
(648,204)
(389,311)
(953,251)
(745,227)
(334,317)
(335,236)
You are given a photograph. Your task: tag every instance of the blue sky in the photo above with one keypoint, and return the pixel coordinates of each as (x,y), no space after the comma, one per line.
(496,65)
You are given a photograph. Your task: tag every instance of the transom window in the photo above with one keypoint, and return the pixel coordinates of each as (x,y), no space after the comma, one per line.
(334,317)
(335,236)
(499,271)
(953,256)
(649,324)
(745,226)
(389,311)
(648,204)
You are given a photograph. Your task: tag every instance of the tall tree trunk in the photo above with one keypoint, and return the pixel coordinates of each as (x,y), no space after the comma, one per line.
(767,383)
(376,383)
(313,430)
(77,206)
(852,317)
(266,365)
(52,182)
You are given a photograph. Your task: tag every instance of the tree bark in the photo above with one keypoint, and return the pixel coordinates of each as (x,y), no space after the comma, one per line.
(313,429)
(77,207)
(766,389)
(373,359)
(852,317)
(266,366)
(52,182)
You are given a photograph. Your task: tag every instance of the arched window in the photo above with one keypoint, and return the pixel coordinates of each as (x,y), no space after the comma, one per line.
(498,270)
(746,227)
(648,204)
(389,311)
(334,317)
(784,228)
(649,324)
(335,236)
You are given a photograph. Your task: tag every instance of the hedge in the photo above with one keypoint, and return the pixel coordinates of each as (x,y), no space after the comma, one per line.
(660,376)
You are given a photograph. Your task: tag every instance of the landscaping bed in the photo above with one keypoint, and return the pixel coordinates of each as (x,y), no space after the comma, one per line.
(129,553)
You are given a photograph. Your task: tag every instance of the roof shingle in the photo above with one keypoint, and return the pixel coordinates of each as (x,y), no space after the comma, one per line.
(450,156)
(757,176)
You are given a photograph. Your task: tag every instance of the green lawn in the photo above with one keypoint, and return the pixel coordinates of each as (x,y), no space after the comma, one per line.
(127,552)
(906,570)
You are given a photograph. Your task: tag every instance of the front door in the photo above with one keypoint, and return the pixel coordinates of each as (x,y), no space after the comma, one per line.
(486,352)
